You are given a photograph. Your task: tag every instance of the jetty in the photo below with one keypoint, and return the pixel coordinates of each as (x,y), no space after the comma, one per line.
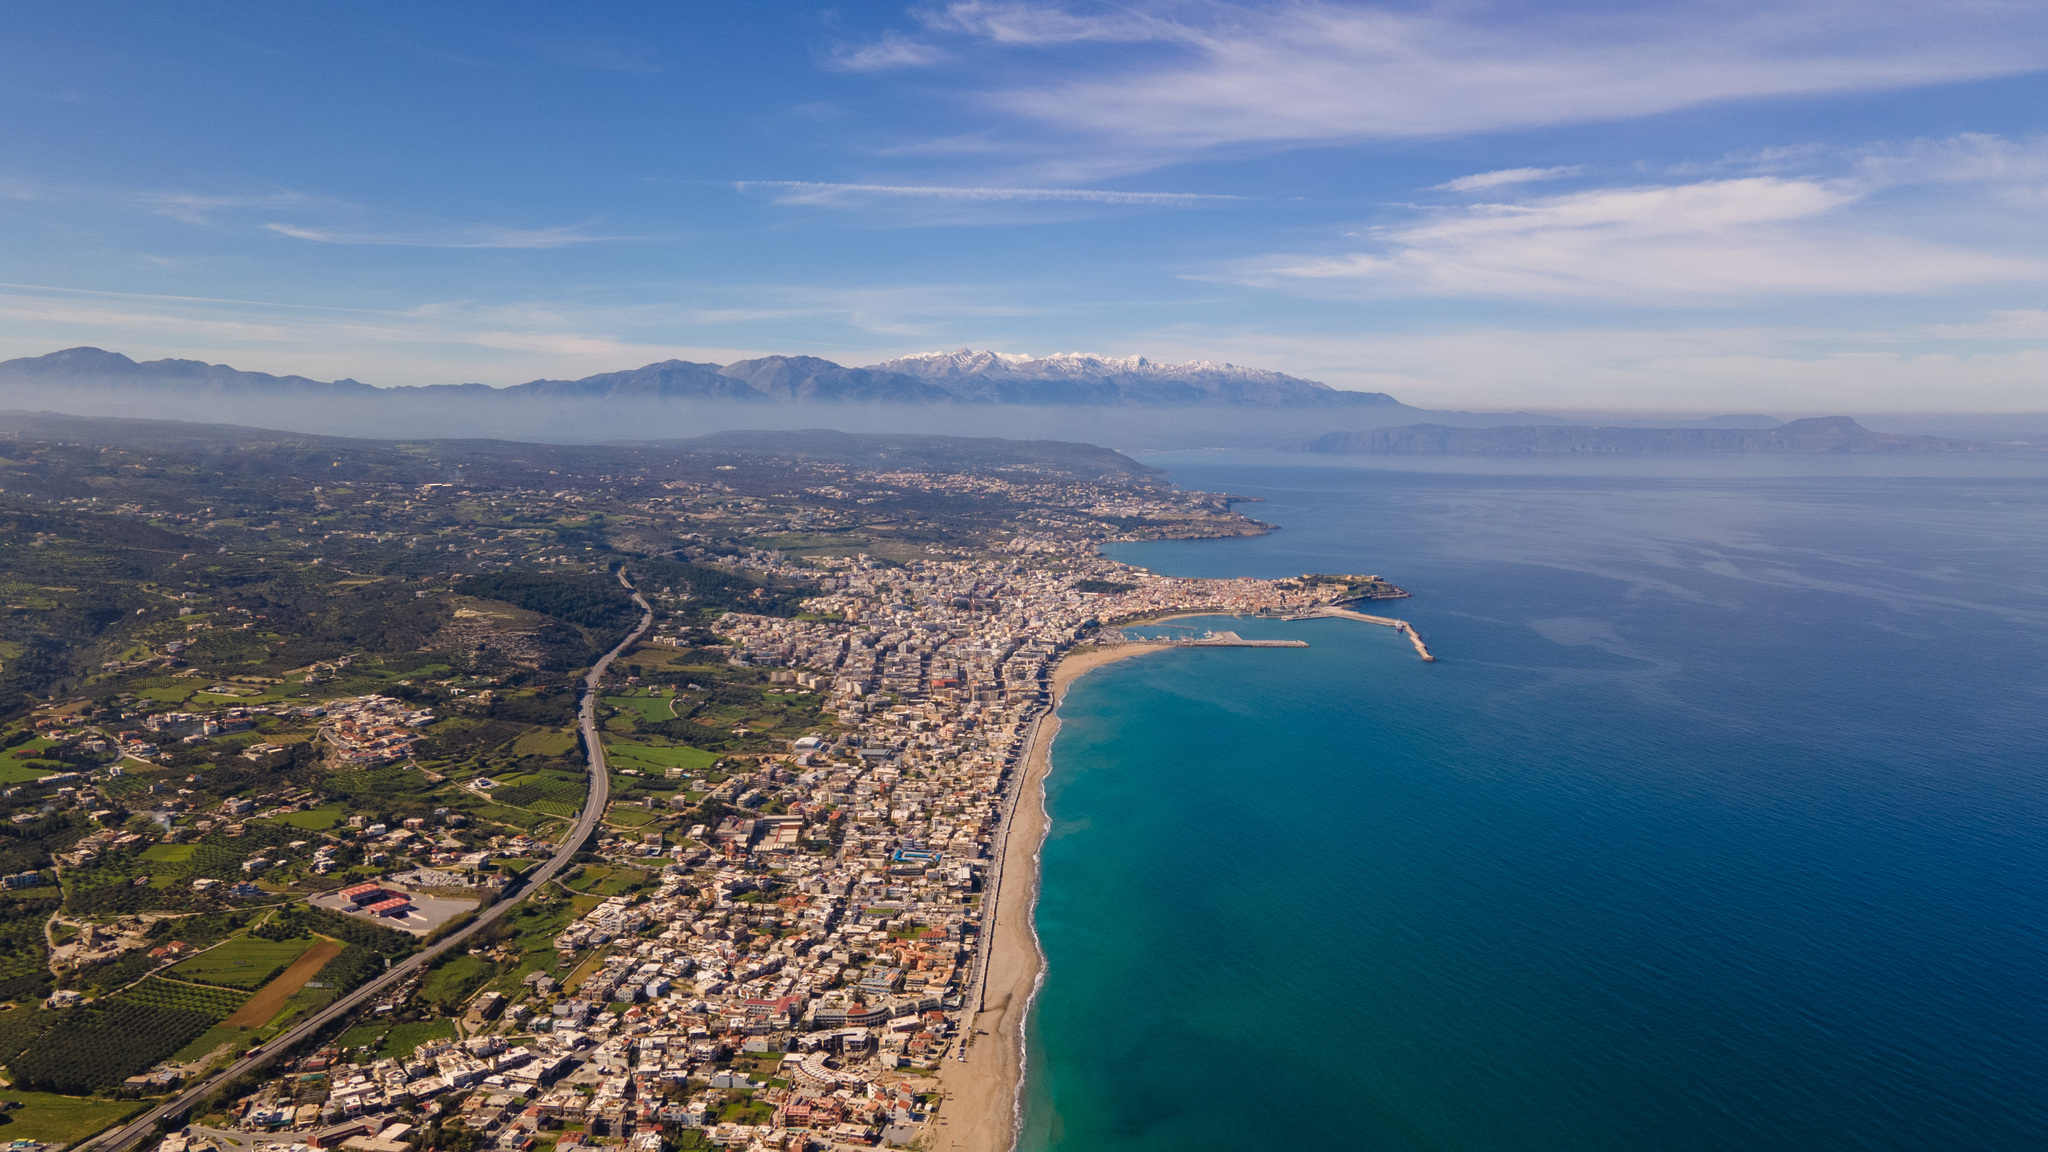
(1233,640)
(1401,626)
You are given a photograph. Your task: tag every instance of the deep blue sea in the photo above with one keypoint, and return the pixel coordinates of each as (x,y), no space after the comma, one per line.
(1721,822)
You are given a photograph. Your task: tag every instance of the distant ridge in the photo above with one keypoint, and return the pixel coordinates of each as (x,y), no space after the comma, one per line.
(76,366)
(955,378)
(1817,434)
(767,447)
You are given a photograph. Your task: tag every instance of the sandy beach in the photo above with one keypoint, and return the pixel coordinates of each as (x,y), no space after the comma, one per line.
(980,1109)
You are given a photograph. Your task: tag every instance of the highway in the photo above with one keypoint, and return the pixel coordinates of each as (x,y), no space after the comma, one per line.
(135,1131)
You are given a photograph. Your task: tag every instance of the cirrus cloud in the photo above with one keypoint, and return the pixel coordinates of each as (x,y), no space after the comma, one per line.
(1757,235)
(1163,80)
(815,192)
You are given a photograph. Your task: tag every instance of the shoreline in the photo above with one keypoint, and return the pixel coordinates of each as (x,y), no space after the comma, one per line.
(984,1094)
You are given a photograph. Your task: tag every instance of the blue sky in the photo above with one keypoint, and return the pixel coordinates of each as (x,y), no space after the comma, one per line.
(1786,207)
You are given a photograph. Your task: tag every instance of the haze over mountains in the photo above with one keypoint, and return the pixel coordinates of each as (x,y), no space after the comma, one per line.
(1131,402)
(1127,403)
(963,377)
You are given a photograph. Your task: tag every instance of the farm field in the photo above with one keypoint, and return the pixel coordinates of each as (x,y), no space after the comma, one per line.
(655,708)
(209,1040)
(605,880)
(244,962)
(649,758)
(204,999)
(267,1002)
(629,814)
(53,1119)
(448,985)
(396,1039)
(315,819)
(551,792)
(545,742)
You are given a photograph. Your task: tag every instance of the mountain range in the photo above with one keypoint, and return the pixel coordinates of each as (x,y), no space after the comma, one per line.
(963,377)
(1128,403)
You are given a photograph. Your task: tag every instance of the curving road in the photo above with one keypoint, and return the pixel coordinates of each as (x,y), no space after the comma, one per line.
(139,1129)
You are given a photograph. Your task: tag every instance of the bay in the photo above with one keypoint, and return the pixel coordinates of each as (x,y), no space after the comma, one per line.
(1720,823)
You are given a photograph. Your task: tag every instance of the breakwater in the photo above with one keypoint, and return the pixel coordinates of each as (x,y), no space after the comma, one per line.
(1401,626)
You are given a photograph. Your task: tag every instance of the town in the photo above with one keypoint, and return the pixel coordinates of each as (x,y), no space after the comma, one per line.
(774,935)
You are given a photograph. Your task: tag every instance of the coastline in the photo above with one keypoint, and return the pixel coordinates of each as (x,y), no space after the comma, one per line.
(984,1092)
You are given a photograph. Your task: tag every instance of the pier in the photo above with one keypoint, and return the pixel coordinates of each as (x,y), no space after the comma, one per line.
(1401,626)
(1233,640)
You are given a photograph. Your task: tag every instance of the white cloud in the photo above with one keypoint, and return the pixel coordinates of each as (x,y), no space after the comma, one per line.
(1504,177)
(194,208)
(1753,236)
(2017,168)
(2008,324)
(813,192)
(890,50)
(322,219)
(1040,24)
(466,237)
(1202,75)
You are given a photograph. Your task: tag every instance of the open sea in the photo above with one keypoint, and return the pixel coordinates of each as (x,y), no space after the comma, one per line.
(1721,822)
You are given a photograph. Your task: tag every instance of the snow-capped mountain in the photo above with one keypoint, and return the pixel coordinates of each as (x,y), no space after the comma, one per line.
(1085,378)
(966,376)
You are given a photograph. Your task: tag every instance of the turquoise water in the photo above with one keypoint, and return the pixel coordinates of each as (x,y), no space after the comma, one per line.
(1722,823)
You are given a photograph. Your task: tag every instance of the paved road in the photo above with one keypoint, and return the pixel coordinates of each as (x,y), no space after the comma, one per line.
(137,1130)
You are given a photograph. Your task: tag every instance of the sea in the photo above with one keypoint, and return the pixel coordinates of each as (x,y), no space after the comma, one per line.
(1720,823)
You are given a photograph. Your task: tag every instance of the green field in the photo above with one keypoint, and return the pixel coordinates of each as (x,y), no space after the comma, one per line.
(315,819)
(655,761)
(447,986)
(54,1119)
(168,694)
(653,708)
(169,853)
(604,880)
(545,742)
(301,1003)
(219,1003)
(14,771)
(542,792)
(396,1040)
(243,962)
(210,1039)
(630,816)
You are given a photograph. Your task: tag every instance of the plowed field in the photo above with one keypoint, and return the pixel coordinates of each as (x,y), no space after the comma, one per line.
(269,999)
